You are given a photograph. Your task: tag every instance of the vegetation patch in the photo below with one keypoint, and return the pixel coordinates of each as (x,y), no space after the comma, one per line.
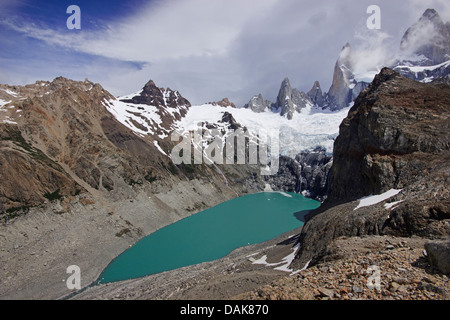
(14,212)
(53,196)
(123,232)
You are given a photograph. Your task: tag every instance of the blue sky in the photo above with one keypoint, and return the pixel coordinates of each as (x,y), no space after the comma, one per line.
(206,49)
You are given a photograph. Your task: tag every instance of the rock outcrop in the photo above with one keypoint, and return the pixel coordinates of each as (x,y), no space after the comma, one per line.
(438,253)
(396,137)
(428,38)
(290,100)
(225,103)
(340,93)
(308,173)
(153,111)
(425,49)
(258,104)
(316,95)
(315,175)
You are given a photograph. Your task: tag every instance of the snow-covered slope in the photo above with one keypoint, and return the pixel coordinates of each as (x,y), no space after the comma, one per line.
(424,73)
(149,112)
(142,119)
(305,131)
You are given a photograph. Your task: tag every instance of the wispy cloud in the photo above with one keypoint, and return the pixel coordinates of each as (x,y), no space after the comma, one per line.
(162,30)
(212,49)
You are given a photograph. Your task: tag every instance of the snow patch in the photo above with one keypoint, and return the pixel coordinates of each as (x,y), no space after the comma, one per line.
(286,261)
(159,148)
(418,69)
(371,200)
(3,103)
(11,93)
(392,205)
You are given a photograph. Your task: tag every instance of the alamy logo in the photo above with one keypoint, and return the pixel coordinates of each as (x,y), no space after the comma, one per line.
(374,281)
(74,281)
(74,21)
(374,21)
(212,146)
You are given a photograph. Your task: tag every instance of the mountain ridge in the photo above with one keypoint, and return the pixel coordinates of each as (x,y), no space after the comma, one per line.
(423,61)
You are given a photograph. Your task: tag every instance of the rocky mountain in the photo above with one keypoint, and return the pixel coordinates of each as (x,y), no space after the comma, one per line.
(424,55)
(345,86)
(152,111)
(427,40)
(289,101)
(425,49)
(394,144)
(316,95)
(225,102)
(63,130)
(85,174)
(258,104)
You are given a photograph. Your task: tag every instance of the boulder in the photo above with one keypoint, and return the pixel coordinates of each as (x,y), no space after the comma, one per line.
(438,253)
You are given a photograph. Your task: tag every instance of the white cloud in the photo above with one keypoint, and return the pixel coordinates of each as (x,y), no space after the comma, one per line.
(162,30)
(211,49)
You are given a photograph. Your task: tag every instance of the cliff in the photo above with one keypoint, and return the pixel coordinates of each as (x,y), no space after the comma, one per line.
(395,138)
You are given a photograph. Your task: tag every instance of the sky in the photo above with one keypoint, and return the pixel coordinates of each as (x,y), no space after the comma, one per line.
(205,49)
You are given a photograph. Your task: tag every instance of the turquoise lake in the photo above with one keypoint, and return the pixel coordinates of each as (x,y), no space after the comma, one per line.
(211,234)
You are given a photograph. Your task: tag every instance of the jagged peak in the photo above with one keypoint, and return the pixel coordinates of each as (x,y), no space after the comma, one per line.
(149,85)
(431,15)
(225,102)
(285,82)
(346,46)
(316,86)
(345,54)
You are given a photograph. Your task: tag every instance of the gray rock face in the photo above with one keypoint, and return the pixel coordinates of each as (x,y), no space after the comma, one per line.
(395,137)
(438,253)
(340,93)
(290,100)
(315,174)
(258,104)
(429,37)
(308,173)
(344,89)
(288,177)
(426,44)
(316,95)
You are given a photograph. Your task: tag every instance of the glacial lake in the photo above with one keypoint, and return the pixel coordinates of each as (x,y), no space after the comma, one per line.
(211,234)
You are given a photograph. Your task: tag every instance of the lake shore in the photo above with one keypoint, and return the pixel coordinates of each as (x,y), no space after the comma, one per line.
(220,279)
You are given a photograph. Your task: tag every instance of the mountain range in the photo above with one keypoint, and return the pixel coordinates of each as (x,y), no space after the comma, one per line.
(423,55)
(80,168)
